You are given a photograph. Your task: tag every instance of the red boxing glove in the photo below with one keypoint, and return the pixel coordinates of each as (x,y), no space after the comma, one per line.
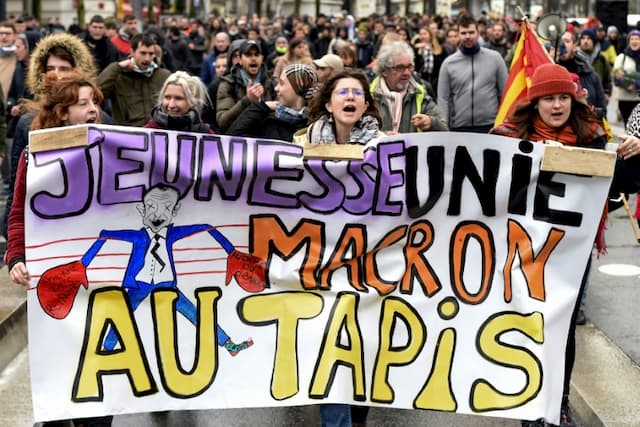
(248,270)
(58,287)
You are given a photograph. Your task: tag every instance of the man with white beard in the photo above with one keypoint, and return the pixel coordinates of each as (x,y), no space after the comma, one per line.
(403,103)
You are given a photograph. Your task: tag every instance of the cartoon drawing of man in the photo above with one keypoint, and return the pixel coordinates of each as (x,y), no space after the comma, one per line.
(151,264)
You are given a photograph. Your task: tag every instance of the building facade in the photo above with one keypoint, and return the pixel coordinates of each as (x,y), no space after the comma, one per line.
(66,10)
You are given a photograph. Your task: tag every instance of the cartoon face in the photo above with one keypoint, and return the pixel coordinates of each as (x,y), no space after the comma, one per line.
(159,207)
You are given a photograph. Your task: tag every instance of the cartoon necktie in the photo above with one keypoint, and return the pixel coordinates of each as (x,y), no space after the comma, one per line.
(154,252)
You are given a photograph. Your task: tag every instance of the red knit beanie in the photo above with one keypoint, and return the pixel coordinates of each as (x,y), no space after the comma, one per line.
(550,79)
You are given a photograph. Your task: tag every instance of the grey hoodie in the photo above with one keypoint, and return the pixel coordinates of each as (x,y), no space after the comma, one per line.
(470,88)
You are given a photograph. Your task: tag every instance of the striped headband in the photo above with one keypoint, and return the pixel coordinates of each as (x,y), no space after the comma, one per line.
(303,79)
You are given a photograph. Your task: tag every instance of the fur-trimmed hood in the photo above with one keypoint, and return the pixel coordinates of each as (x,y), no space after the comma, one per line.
(73,44)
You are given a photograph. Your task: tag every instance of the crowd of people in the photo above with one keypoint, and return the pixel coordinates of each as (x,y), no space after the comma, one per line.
(330,80)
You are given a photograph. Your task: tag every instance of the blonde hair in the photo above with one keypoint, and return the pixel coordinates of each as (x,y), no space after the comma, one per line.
(194,90)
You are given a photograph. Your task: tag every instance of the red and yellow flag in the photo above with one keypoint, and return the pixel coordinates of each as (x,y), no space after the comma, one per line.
(528,56)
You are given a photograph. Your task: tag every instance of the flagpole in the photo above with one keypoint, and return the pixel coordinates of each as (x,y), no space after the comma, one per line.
(535,33)
(527,56)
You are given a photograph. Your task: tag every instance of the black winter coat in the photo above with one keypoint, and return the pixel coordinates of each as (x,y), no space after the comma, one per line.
(258,121)
(589,80)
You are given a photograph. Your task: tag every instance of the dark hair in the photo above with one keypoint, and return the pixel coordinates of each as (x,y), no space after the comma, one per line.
(59,52)
(581,120)
(143,39)
(317,107)
(96,19)
(501,24)
(128,18)
(8,24)
(345,52)
(572,34)
(467,21)
(110,23)
(162,187)
(293,43)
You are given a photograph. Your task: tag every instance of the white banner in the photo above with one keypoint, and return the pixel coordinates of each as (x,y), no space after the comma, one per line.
(438,273)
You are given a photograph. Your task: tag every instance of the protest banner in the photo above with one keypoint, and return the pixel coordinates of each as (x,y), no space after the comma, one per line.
(187,271)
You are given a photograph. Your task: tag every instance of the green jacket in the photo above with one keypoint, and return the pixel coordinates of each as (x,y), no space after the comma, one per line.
(232,99)
(416,101)
(610,54)
(603,69)
(132,95)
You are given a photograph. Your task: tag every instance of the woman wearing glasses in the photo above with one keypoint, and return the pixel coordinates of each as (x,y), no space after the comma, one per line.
(405,105)
(343,112)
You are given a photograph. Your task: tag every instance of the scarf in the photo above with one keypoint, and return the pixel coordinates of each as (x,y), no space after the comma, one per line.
(245,77)
(633,54)
(189,122)
(472,51)
(542,131)
(395,103)
(322,131)
(148,72)
(123,35)
(566,135)
(427,57)
(7,51)
(291,116)
(593,55)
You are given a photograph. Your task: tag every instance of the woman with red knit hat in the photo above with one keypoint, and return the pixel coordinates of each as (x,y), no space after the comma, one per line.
(553,112)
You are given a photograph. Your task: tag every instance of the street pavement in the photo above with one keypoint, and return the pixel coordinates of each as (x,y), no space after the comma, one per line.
(613,296)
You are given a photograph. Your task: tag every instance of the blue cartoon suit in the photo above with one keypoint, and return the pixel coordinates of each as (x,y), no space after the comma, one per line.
(138,290)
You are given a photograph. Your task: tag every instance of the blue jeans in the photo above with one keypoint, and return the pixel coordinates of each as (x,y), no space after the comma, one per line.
(335,415)
(183,305)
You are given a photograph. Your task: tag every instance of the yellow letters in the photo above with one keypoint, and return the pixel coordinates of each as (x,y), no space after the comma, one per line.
(484,397)
(333,353)
(284,309)
(394,309)
(108,306)
(176,381)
